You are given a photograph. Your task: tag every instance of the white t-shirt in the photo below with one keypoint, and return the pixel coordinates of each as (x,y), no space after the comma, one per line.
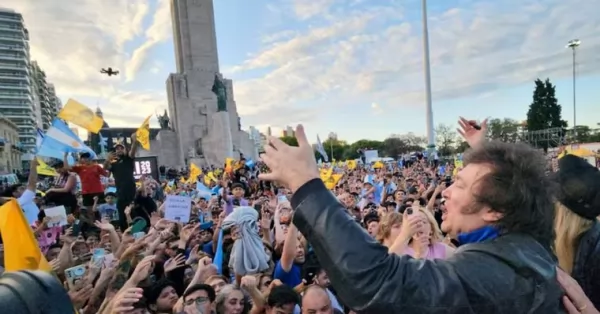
(30,209)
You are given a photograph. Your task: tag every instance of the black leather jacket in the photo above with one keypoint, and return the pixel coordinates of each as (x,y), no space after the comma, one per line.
(586,269)
(512,274)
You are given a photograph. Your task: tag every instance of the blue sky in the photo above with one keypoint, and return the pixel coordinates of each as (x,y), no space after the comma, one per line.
(353,67)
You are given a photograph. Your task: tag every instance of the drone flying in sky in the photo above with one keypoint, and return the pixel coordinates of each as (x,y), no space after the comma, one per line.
(109,71)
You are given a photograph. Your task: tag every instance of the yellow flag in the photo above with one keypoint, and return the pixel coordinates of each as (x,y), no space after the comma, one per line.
(325,175)
(194,173)
(80,115)
(332,181)
(378,165)
(44,169)
(21,250)
(142,135)
(229,165)
(351,164)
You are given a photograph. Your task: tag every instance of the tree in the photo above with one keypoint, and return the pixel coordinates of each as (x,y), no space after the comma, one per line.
(445,138)
(394,147)
(583,134)
(413,142)
(544,111)
(290,140)
(462,146)
(506,130)
(335,149)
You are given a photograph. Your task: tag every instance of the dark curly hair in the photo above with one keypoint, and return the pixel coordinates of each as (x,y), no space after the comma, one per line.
(517,187)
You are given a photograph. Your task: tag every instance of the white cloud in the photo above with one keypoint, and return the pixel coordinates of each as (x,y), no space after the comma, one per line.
(72,40)
(158,32)
(305,9)
(374,53)
(376,108)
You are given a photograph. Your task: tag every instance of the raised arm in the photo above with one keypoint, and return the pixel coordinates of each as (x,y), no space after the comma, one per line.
(33,175)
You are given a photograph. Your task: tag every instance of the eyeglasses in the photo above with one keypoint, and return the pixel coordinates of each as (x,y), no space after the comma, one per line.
(198,300)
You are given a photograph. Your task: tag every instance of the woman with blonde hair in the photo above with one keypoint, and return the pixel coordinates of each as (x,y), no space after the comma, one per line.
(389,229)
(231,300)
(577,242)
(420,236)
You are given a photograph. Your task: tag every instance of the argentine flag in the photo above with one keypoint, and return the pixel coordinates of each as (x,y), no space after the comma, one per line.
(321,149)
(59,139)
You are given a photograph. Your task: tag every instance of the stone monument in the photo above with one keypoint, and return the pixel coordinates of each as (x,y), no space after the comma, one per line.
(201,101)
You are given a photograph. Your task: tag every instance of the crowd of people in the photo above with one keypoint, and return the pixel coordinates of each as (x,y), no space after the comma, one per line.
(497,235)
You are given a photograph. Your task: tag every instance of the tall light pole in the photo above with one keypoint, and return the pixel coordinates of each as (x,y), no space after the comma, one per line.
(573,44)
(427,70)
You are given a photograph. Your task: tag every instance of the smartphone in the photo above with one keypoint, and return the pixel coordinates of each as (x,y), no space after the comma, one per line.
(75,275)
(108,259)
(138,225)
(139,235)
(98,256)
(76,228)
(282,198)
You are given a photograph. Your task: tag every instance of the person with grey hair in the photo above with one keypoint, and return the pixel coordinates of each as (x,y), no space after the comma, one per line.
(231,300)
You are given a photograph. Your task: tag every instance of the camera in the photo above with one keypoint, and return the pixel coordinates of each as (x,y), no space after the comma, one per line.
(36,292)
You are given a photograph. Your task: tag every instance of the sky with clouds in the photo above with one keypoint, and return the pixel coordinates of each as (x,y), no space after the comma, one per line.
(353,67)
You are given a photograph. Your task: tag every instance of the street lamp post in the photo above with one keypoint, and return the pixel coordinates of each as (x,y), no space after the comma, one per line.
(427,70)
(573,44)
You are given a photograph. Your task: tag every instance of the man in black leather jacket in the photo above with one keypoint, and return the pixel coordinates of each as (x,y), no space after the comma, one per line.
(500,206)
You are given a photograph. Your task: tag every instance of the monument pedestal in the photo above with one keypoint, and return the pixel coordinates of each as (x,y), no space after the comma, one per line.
(167,149)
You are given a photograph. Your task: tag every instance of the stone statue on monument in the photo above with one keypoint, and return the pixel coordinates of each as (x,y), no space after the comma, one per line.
(191,153)
(199,150)
(220,90)
(164,121)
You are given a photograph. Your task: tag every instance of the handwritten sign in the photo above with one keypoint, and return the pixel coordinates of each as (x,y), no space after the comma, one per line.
(57,215)
(178,208)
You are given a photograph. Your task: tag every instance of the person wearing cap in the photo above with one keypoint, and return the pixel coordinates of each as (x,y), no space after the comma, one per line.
(577,242)
(236,198)
(90,174)
(121,163)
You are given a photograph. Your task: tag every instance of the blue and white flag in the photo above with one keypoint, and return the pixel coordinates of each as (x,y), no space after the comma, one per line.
(59,139)
(321,149)
(203,191)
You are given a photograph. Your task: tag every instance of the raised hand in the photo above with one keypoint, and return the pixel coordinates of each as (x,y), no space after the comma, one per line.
(79,297)
(124,301)
(290,166)
(55,264)
(104,226)
(174,263)
(265,219)
(248,282)
(143,269)
(470,133)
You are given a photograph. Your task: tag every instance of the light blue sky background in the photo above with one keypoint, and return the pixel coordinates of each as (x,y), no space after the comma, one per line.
(353,67)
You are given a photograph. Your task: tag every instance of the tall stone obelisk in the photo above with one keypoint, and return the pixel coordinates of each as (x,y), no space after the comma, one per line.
(202,124)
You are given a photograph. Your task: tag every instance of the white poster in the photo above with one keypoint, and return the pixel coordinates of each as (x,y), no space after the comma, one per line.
(57,215)
(371,156)
(178,208)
